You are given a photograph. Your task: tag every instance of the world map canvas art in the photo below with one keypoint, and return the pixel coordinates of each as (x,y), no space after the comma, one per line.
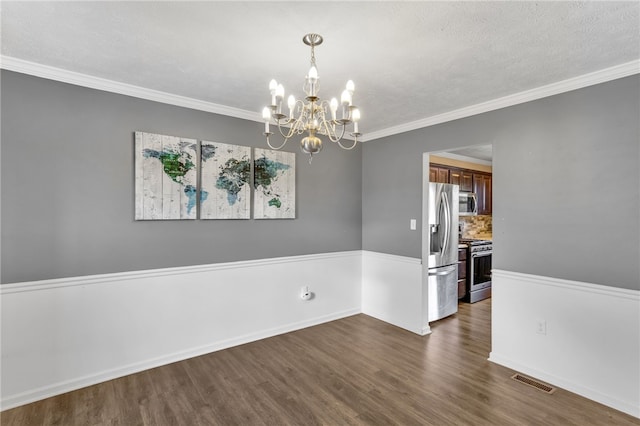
(165,177)
(274,180)
(225,191)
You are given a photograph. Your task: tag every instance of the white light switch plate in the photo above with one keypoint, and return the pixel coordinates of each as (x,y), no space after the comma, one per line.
(412,224)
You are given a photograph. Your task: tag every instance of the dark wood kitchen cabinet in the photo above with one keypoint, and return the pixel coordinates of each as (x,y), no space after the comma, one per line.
(462,178)
(438,174)
(482,188)
(468,180)
(462,272)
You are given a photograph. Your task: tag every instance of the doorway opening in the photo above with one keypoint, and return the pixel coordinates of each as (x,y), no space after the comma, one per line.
(470,170)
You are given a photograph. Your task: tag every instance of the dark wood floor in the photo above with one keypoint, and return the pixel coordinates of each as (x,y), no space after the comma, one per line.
(354,371)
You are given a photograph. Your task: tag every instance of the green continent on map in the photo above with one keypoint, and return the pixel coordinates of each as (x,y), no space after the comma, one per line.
(232,177)
(275,202)
(266,171)
(175,164)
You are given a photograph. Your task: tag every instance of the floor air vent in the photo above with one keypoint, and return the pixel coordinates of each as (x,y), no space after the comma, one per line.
(533,383)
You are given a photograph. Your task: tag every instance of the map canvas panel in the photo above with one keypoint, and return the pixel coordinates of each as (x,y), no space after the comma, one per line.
(274,181)
(225,191)
(165,173)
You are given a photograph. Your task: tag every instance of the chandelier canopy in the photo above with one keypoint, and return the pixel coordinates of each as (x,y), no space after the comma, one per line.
(312,116)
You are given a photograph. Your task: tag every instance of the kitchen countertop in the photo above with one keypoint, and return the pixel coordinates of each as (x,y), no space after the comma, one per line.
(483,236)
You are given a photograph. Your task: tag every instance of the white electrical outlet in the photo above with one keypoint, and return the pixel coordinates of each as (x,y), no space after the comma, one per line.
(541,327)
(305,294)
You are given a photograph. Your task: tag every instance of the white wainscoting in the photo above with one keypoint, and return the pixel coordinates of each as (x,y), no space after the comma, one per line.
(64,334)
(592,341)
(392,291)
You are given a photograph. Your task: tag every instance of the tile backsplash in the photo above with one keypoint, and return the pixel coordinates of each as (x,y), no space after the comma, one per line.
(476,226)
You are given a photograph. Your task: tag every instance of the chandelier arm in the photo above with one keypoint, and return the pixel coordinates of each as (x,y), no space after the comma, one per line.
(335,137)
(290,133)
(299,106)
(297,127)
(348,148)
(324,106)
(326,129)
(331,133)
(273,147)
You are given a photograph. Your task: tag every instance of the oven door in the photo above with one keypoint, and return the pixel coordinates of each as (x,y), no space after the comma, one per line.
(480,270)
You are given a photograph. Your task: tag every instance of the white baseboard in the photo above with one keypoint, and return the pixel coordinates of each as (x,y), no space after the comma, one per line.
(592,341)
(65,334)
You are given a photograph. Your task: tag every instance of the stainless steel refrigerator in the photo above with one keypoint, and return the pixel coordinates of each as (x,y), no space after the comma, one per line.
(442,266)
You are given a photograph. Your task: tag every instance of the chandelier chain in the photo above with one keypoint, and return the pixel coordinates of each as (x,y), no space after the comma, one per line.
(313,56)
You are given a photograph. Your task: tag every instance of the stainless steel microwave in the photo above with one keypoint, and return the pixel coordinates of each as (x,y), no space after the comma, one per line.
(468,204)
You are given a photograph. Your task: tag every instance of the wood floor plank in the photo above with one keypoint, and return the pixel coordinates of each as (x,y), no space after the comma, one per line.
(354,371)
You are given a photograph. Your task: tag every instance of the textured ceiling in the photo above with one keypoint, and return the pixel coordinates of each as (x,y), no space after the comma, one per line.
(409,60)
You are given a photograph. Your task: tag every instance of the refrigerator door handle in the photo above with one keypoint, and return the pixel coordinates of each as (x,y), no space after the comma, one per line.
(441,271)
(447,222)
(435,228)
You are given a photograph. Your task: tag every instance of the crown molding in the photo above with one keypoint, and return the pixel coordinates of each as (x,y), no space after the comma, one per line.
(65,76)
(597,77)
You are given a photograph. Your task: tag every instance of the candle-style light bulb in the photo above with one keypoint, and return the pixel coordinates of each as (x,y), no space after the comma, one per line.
(333,106)
(355,115)
(273,85)
(350,87)
(313,80)
(313,74)
(266,115)
(279,97)
(291,102)
(345,99)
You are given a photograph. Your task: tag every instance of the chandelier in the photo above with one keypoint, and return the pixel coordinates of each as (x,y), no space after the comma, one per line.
(312,116)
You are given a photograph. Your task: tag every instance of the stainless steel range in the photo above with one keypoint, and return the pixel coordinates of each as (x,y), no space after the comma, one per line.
(480,252)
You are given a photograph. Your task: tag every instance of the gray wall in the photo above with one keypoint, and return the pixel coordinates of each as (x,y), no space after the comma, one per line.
(566,184)
(68,188)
